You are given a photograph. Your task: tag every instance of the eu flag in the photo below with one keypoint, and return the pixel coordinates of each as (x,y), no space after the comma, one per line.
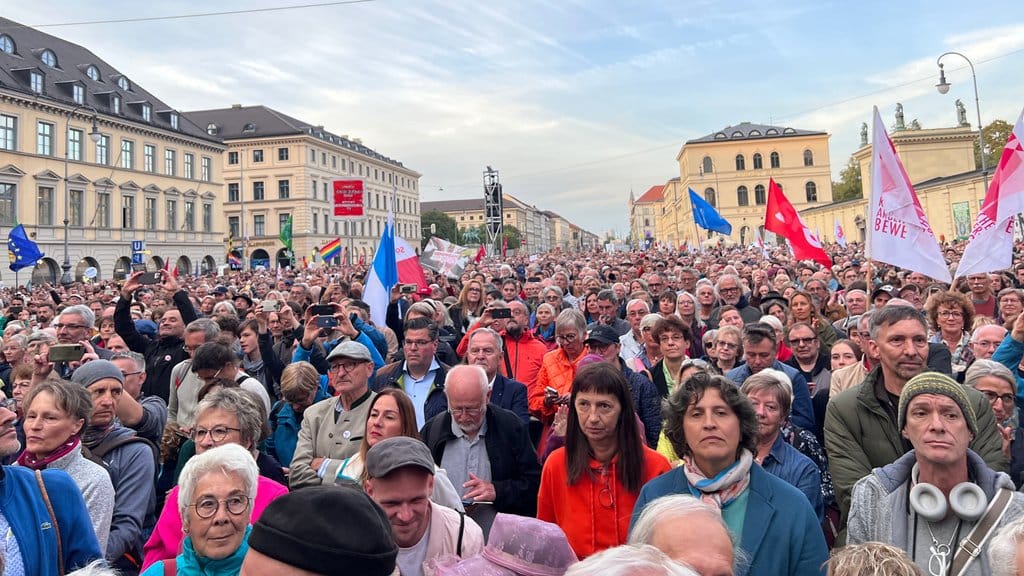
(21,251)
(707,217)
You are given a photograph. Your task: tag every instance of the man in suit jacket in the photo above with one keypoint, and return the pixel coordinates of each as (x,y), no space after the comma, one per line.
(485,350)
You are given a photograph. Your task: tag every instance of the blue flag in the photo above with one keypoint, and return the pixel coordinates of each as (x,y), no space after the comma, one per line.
(20,250)
(707,217)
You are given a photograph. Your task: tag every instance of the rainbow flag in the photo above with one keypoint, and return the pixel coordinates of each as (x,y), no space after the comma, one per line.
(331,250)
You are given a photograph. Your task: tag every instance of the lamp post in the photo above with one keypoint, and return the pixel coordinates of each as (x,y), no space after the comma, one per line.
(943,88)
(94,135)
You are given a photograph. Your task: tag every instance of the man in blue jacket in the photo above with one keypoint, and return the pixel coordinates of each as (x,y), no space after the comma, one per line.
(25,514)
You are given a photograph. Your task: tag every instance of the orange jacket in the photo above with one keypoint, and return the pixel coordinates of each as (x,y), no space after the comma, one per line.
(524,354)
(556,371)
(594,512)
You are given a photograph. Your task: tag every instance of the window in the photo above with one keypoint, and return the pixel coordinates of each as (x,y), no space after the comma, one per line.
(808,158)
(76,206)
(44,138)
(74,144)
(343,165)
(259,225)
(103,150)
(742,198)
(316,222)
(173,117)
(78,93)
(313,194)
(232,158)
(8,204)
(233,192)
(128,212)
(233,226)
(123,83)
(205,169)
(257,190)
(741,163)
(325,190)
(8,132)
(127,154)
(707,166)
(312,156)
(150,214)
(774,159)
(811,190)
(103,209)
(45,213)
(212,129)
(172,214)
(93,72)
(49,58)
(325,223)
(257,155)
(334,162)
(282,189)
(35,80)
(759,196)
(709,196)
(6,44)
(207,217)
(282,220)
(282,153)
(758,162)
(115,104)
(149,158)
(170,162)
(190,216)
(147,112)
(323,158)
(190,166)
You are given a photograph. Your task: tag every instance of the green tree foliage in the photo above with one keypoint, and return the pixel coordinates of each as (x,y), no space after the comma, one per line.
(849,185)
(444,225)
(996,135)
(515,237)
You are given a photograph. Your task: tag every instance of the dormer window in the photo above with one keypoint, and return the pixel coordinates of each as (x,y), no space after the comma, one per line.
(174,120)
(78,93)
(147,112)
(115,104)
(123,83)
(212,129)
(6,43)
(93,72)
(35,80)
(49,58)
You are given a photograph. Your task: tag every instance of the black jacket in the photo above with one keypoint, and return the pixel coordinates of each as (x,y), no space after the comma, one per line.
(515,471)
(162,354)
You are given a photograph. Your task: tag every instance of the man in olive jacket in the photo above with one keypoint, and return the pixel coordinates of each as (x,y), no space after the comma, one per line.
(861,431)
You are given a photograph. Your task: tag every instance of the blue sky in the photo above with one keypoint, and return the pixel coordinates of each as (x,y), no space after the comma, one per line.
(576,102)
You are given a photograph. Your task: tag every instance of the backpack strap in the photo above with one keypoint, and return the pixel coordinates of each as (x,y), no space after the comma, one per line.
(111,444)
(462,530)
(171,567)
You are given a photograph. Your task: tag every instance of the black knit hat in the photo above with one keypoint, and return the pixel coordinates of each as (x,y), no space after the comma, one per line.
(327,530)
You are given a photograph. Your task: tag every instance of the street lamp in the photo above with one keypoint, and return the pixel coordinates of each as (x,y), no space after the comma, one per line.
(943,88)
(94,135)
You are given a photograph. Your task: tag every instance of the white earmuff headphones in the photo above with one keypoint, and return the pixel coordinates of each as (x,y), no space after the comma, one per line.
(967,500)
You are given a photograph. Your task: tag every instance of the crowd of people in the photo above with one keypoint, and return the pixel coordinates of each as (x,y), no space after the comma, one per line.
(725,413)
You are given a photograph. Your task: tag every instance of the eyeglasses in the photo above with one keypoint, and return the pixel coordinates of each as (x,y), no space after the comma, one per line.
(950,314)
(60,327)
(418,343)
(346,366)
(208,507)
(474,412)
(986,343)
(571,337)
(127,374)
(993,397)
(730,290)
(727,345)
(189,349)
(802,341)
(217,434)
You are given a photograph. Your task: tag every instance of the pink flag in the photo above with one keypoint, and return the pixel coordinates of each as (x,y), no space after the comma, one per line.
(900,234)
(991,245)
(840,235)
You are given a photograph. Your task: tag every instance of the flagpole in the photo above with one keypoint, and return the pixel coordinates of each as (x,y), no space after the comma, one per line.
(697,230)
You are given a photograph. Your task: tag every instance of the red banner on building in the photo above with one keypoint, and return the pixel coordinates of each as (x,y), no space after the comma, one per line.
(348,199)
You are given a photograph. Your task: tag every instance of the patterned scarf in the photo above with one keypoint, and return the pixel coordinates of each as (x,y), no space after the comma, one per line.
(724,488)
(31,461)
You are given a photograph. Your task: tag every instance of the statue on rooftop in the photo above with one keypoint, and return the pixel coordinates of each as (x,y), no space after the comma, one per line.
(899,117)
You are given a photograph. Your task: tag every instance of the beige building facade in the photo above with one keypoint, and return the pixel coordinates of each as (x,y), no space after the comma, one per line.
(276,167)
(644,213)
(91,161)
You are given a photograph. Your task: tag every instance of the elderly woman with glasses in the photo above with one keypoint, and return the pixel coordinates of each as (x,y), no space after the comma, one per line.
(227,416)
(999,386)
(544,322)
(589,486)
(951,316)
(218,489)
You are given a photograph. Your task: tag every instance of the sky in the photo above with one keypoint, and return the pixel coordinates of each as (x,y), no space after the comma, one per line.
(575,102)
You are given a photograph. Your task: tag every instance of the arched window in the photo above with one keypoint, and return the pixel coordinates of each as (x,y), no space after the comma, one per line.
(49,58)
(707,166)
(808,158)
(709,195)
(741,163)
(759,196)
(742,198)
(6,44)
(758,162)
(774,158)
(812,191)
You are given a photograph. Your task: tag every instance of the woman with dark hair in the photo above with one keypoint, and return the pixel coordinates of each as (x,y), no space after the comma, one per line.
(667,303)
(804,307)
(588,486)
(468,308)
(714,428)
(673,336)
(588,306)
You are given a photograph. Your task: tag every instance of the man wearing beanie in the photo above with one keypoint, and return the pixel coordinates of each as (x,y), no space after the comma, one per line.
(400,478)
(862,430)
(298,534)
(918,503)
(130,460)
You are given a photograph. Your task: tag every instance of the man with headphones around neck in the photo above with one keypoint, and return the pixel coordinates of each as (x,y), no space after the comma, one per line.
(939,502)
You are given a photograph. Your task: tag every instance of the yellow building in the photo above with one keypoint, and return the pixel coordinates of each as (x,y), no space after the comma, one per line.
(730,169)
(940,165)
(91,161)
(276,166)
(644,213)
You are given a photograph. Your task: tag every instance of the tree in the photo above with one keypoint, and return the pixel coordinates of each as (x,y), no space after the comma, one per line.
(515,239)
(444,226)
(996,135)
(850,185)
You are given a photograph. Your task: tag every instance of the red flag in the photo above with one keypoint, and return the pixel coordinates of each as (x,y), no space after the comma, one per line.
(781,218)
(480,254)
(504,246)
(167,268)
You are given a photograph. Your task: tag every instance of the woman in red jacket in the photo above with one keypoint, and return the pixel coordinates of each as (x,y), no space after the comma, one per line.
(589,487)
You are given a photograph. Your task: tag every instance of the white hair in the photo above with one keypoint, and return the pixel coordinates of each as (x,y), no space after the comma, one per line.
(225,305)
(473,370)
(630,560)
(1002,549)
(672,506)
(95,568)
(228,459)
(771,321)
